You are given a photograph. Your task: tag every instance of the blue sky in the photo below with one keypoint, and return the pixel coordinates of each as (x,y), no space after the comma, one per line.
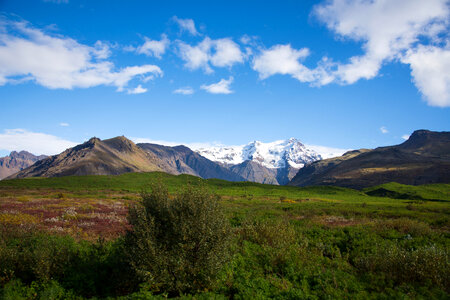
(343,74)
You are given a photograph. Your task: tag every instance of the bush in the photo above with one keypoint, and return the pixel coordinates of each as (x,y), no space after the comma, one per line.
(426,265)
(177,245)
(30,255)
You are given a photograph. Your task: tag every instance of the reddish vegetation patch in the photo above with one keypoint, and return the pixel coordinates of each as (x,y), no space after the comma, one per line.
(78,214)
(338,221)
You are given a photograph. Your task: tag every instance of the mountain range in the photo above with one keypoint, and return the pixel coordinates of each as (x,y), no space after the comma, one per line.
(423,158)
(16,162)
(272,163)
(120,155)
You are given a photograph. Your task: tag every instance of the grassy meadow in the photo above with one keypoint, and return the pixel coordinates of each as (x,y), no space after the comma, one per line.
(63,238)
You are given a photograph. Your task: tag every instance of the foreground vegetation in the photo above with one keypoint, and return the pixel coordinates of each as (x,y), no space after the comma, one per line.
(70,238)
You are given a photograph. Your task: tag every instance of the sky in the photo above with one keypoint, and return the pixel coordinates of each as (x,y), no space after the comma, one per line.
(346,74)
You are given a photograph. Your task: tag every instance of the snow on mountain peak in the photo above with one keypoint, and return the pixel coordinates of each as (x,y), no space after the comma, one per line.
(275,154)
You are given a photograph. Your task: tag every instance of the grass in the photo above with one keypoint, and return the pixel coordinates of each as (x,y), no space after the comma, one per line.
(388,241)
(99,203)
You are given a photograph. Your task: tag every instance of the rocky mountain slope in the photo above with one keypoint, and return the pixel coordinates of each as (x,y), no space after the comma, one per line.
(423,158)
(16,162)
(274,163)
(95,157)
(182,160)
(120,155)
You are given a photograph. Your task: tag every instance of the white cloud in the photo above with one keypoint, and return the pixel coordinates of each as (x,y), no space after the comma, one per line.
(405,136)
(430,69)
(63,124)
(282,59)
(386,28)
(101,50)
(153,47)
(184,91)
(245,39)
(186,25)
(226,53)
(383,130)
(34,142)
(56,62)
(393,30)
(196,56)
(327,152)
(221,87)
(218,53)
(137,90)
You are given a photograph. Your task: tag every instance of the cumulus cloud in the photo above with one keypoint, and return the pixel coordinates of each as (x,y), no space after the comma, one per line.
(63,124)
(218,53)
(186,25)
(137,90)
(407,31)
(392,31)
(430,69)
(383,130)
(285,60)
(153,47)
(221,87)
(27,53)
(386,28)
(184,91)
(34,142)
(282,59)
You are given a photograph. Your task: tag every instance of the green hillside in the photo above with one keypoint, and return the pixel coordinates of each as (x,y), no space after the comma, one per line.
(64,236)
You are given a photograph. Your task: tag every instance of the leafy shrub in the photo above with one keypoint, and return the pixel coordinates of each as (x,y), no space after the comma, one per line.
(425,265)
(276,234)
(51,290)
(177,245)
(29,255)
(405,226)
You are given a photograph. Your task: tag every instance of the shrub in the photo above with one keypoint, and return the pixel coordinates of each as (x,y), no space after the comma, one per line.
(426,265)
(405,226)
(278,234)
(30,255)
(177,245)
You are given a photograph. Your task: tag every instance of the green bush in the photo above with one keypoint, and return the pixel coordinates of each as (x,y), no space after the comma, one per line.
(29,255)
(177,245)
(429,265)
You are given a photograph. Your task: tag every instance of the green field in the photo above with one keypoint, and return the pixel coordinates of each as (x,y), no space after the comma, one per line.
(389,241)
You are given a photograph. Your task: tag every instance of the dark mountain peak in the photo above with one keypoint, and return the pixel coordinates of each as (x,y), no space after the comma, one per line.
(182,148)
(25,155)
(424,136)
(14,154)
(17,161)
(182,160)
(121,143)
(424,158)
(428,142)
(93,140)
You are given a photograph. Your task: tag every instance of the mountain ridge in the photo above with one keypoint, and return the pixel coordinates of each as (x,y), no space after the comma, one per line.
(274,162)
(120,155)
(17,161)
(423,158)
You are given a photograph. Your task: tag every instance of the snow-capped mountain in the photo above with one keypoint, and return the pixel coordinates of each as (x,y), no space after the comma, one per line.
(275,155)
